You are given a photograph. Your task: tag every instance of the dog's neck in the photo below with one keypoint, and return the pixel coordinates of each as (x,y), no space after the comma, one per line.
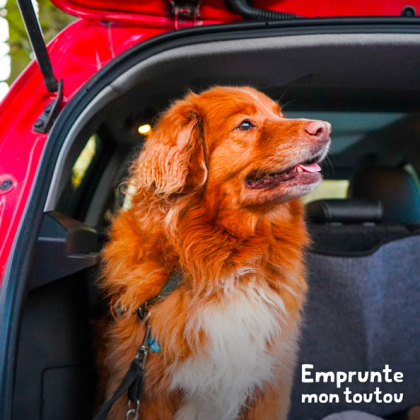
(212,245)
(222,242)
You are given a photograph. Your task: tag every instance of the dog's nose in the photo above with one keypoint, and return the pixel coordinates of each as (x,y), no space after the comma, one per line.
(319,129)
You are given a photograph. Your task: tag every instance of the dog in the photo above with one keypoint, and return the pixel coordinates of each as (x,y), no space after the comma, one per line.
(215,199)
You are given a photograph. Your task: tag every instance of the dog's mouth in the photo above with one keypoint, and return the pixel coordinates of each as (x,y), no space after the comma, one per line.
(306,172)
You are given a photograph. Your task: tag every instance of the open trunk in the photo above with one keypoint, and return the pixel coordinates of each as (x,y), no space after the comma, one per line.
(360,75)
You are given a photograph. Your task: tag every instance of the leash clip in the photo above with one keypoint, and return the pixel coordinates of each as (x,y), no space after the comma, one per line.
(132,413)
(141,357)
(142,352)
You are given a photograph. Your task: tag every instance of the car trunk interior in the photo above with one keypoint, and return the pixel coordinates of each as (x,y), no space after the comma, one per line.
(363,306)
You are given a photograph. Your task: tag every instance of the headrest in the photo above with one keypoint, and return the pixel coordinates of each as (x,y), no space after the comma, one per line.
(344,211)
(395,188)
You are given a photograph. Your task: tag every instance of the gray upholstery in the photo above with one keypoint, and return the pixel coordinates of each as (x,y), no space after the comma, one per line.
(353,240)
(351,415)
(362,313)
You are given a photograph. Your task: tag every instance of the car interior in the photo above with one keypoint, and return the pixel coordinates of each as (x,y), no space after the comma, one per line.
(363,264)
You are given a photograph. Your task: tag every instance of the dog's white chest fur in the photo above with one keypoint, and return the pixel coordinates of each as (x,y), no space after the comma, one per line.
(235,359)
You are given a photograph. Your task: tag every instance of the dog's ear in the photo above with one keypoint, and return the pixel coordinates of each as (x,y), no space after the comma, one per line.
(173,158)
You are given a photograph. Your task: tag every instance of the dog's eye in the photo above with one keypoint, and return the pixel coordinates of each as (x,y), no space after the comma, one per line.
(245,126)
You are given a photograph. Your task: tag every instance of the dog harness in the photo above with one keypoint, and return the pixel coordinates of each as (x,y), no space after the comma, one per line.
(133,380)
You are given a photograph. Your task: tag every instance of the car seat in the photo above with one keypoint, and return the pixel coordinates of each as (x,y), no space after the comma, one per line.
(363,305)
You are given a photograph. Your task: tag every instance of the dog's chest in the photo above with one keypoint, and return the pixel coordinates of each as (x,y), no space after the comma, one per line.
(236,357)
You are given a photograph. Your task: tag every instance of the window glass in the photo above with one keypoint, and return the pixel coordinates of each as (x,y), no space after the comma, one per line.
(129,191)
(329,188)
(77,184)
(410,169)
(83,162)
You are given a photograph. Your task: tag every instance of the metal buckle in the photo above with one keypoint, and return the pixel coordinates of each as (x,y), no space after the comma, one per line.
(117,311)
(132,413)
(185,9)
(143,312)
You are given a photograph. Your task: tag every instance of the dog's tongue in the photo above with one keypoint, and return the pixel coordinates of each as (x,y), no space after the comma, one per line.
(313,167)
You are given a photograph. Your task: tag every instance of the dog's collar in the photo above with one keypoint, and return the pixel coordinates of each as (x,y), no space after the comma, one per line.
(118,311)
(169,287)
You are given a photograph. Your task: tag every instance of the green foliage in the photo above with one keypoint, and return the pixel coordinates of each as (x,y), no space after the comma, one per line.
(52,20)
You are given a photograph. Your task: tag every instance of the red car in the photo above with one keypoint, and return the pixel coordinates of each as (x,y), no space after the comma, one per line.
(72,122)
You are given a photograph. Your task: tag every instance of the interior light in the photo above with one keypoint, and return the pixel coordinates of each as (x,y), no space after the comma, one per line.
(144,129)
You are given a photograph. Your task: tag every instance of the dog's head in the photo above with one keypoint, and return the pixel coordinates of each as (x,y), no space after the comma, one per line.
(235,146)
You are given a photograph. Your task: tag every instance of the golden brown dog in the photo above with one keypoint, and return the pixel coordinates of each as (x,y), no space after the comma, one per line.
(216,198)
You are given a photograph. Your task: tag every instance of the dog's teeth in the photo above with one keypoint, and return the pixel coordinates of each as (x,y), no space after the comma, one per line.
(299,169)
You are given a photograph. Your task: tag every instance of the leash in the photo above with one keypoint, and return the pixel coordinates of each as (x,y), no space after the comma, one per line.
(133,380)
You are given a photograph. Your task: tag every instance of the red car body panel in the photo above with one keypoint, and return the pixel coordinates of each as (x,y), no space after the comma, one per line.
(76,54)
(215,10)
(107,28)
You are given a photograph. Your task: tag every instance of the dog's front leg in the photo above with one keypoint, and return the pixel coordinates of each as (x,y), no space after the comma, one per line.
(272,404)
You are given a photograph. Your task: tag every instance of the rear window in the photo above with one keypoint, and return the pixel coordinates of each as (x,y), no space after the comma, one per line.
(361,139)
(81,177)
(329,188)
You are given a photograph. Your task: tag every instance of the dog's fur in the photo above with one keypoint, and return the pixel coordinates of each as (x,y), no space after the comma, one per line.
(228,332)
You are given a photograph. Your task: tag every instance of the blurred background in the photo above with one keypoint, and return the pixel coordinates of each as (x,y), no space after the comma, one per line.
(15,50)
